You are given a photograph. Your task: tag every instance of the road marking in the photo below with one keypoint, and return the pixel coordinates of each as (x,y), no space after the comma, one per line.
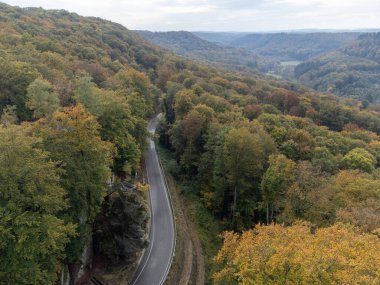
(152,241)
(171,218)
(157,163)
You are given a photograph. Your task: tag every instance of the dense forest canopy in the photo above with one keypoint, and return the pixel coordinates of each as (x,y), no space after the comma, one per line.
(75,96)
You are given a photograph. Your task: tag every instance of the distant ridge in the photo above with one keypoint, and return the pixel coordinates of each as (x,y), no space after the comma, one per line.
(352,71)
(284,45)
(190,45)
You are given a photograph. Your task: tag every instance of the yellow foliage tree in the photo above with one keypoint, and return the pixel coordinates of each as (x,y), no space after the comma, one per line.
(276,254)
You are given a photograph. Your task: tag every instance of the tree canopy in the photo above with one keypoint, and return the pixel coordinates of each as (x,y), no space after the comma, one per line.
(275,254)
(32,233)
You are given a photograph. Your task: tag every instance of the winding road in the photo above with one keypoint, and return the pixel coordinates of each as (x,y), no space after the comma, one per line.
(155,264)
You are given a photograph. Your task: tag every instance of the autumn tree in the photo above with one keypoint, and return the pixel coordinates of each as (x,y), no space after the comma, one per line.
(275,254)
(374,149)
(308,198)
(252,111)
(9,116)
(298,145)
(183,102)
(357,198)
(72,137)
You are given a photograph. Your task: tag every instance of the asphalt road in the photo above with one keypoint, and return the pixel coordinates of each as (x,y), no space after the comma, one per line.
(157,258)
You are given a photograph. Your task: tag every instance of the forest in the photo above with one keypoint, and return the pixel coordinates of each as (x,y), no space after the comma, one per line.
(351,71)
(190,45)
(291,175)
(343,63)
(294,46)
(261,51)
(73,127)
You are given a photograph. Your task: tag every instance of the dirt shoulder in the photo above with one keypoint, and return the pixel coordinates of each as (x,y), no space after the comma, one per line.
(188,265)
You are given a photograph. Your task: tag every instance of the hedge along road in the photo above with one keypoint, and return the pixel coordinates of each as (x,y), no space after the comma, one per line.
(155,264)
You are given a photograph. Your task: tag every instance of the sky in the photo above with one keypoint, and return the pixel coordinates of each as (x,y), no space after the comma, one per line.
(223,15)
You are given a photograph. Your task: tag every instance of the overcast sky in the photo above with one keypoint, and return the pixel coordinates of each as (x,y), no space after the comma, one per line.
(224,15)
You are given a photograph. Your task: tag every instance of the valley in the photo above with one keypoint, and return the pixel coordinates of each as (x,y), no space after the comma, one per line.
(305,58)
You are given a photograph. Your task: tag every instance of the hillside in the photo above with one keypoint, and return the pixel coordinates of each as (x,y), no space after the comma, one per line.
(224,38)
(189,45)
(54,67)
(352,71)
(181,41)
(75,97)
(285,46)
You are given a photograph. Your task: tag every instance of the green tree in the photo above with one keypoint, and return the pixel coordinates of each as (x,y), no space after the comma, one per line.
(118,125)
(72,137)
(89,95)
(323,159)
(126,132)
(212,181)
(41,98)
(194,125)
(243,162)
(135,87)
(359,158)
(32,236)
(15,78)
(276,181)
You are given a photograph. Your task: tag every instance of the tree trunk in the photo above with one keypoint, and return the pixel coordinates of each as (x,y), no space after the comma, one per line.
(234,206)
(271,216)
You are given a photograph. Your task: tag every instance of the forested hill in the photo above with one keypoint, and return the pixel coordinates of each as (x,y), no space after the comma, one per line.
(189,45)
(80,39)
(224,38)
(352,71)
(75,96)
(180,41)
(286,46)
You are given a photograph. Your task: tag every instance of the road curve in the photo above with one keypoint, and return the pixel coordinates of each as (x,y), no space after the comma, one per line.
(157,258)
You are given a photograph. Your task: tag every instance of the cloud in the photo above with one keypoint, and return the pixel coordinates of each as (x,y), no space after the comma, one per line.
(224,15)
